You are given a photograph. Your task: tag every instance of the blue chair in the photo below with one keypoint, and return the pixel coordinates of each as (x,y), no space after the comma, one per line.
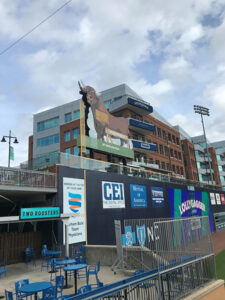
(59,284)
(50,293)
(30,256)
(3,270)
(8,295)
(81,251)
(84,289)
(45,259)
(18,285)
(54,268)
(81,273)
(93,270)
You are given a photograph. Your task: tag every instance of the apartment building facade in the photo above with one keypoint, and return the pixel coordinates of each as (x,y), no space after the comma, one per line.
(155,143)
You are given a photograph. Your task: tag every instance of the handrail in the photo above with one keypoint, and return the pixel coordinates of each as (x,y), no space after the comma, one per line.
(137,279)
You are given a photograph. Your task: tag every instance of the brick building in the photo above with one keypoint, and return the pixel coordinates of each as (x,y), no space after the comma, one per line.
(155,142)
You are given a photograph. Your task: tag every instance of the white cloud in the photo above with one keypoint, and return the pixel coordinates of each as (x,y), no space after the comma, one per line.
(105,45)
(178,70)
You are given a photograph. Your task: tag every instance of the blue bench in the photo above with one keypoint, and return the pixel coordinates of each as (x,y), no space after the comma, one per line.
(2,271)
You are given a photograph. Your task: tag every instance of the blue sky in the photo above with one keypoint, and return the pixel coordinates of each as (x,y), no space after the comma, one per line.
(170,52)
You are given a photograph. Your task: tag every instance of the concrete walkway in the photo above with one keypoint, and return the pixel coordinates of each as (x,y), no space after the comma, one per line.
(34,274)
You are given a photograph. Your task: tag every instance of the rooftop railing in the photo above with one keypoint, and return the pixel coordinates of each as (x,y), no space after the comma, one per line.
(79,162)
(27,178)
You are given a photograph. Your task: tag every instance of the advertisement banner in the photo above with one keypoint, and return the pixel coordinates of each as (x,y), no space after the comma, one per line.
(212,198)
(74,203)
(113,195)
(157,196)
(218,202)
(138,195)
(184,203)
(222,199)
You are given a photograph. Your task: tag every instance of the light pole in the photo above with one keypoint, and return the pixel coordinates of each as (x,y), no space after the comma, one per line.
(9,137)
(204,111)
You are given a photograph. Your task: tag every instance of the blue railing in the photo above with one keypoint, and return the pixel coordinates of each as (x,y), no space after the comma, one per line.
(172,281)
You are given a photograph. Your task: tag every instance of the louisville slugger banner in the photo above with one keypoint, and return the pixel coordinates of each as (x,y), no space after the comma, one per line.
(74,203)
(184,203)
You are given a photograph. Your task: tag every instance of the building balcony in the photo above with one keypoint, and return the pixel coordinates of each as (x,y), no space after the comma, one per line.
(140,127)
(143,147)
(221,162)
(137,106)
(204,171)
(203,159)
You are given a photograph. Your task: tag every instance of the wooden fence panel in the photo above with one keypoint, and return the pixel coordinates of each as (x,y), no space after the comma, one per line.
(13,245)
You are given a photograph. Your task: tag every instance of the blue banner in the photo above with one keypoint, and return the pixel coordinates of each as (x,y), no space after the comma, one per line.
(157,196)
(138,195)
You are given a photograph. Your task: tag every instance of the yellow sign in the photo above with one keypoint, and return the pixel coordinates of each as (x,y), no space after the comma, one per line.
(101,116)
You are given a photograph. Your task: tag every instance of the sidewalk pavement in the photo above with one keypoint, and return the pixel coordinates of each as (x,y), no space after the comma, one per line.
(34,274)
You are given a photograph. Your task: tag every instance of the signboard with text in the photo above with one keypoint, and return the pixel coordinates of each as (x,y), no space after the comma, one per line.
(113,195)
(138,195)
(157,196)
(32,213)
(74,202)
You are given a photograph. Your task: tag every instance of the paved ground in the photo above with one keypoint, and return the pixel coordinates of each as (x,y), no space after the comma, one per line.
(34,274)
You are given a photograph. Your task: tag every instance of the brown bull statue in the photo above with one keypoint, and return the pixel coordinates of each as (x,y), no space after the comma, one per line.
(105,123)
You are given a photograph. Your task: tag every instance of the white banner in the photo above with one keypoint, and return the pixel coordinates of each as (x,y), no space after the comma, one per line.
(218,199)
(113,195)
(74,203)
(212,198)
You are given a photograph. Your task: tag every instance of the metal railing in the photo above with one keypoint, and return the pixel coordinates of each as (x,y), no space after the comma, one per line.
(183,257)
(173,282)
(78,162)
(27,178)
(74,161)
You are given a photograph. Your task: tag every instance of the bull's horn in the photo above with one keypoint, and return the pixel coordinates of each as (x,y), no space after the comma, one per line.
(80,86)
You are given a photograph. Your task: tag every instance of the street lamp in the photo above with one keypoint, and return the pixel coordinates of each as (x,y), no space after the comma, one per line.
(203,111)
(4,141)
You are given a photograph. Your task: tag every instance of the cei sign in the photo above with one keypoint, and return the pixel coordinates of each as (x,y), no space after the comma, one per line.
(113,195)
(39,213)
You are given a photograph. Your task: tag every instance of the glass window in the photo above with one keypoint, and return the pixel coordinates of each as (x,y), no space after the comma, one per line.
(68,117)
(117,98)
(75,133)
(164,134)
(163,165)
(107,103)
(167,166)
(68,150)
(158,132)
(220,168)
(218,157)
(43,125)
(67,136)
(150,160)
(76,150)
(76,115)
(179,155)
(157,162)
(160,149)
(48,140)
(222,178)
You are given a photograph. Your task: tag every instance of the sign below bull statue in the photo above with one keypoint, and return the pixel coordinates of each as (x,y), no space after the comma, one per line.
(108,128)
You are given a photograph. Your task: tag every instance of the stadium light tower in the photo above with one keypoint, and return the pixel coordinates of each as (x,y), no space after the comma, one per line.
(203,111)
